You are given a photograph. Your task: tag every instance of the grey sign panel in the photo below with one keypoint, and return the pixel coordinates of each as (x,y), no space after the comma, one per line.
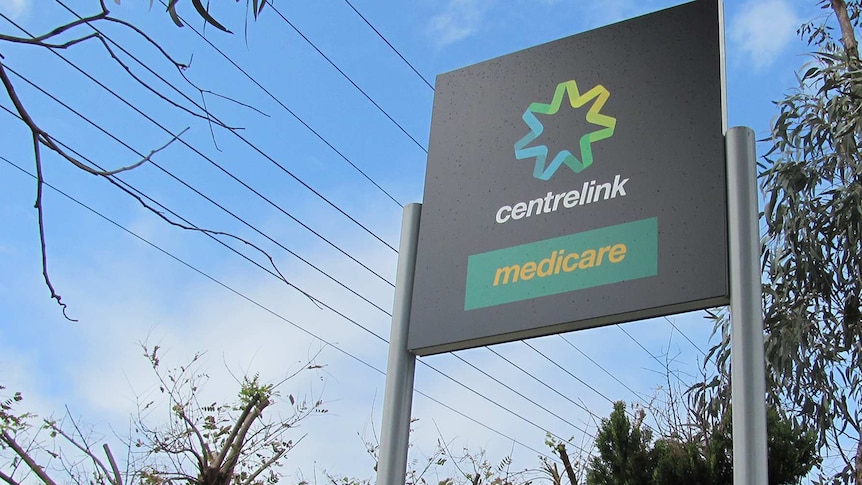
(575,184)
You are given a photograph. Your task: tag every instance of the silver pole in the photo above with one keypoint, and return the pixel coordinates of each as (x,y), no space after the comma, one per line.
(748,374)
(398,394)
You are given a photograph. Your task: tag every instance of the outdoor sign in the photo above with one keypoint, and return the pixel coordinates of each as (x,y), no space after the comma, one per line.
(575,184)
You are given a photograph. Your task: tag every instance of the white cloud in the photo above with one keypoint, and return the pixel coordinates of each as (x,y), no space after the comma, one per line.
(458,20)
(762,29)
(14,8)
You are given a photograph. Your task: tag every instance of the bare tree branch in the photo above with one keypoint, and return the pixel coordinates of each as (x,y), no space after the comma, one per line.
(33,41)
(31,463)
(118,480)
(40,40)
(233,444)
(268,463)
(42,137)
(6,478)
(567,464)
(41,222)
(80,443)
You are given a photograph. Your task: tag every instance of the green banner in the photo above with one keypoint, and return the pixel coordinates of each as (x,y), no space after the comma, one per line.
(594,258)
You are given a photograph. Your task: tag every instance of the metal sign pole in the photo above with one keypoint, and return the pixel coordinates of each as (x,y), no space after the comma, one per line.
(748,374)
(398,394)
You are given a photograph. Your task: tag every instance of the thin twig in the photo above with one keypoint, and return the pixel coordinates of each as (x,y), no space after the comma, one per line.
(118,480)
(6,478)
(10,441)
(37,153)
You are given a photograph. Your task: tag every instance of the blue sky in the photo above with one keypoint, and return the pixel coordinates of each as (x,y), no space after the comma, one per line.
(123,291)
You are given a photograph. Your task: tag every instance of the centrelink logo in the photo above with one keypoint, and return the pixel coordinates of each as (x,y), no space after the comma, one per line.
(592,191)
(544,170)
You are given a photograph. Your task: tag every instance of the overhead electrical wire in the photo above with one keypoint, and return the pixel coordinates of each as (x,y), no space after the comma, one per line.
(202,155)
(697,347)
(554,390)
(602,368)
(171,85)
(606,398)
(398,53)
(471,390)
(208,234)
(258,150)
(285,107)
(551,388)
(425,80)
(351,81)
(279,208)
(270,311)
(652,356)
(323,303)
(307,262)
(520,394)
(198,152)
(207,198)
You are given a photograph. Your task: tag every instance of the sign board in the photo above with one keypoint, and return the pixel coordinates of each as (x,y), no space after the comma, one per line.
(575,184)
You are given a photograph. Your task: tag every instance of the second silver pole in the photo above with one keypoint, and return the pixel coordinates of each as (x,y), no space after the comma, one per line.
(748,374)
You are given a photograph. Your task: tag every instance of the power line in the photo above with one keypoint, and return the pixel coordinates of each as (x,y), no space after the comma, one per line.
(278,101)
(509,361)
(610,374)
(147,117)
(545,430)
(520,394)
(389,44)
(376,105)
(195,269)
(210,235)
(663,364)
(386,341)
(267,309)
(500,406)
(279,208)
(685,336)
(205,110)
(210,200)
(606,398)
(581,406)
(198,152)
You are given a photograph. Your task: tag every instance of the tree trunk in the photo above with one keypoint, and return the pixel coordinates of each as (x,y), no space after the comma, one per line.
(858,474)
(848,37)
(567,464)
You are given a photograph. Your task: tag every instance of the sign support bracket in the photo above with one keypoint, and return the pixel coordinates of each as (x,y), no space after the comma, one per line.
(400,369)
(748,374)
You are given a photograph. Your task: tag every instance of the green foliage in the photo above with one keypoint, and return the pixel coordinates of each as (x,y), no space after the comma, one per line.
(624,456)
(204,13)
(252,391)
(9,421)
(811,178)
(627,456)
(792,450)
(679,463)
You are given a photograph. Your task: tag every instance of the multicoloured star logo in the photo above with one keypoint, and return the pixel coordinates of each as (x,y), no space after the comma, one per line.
(544,170)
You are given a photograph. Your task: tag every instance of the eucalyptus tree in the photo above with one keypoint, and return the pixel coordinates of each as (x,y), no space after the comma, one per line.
(811,178)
